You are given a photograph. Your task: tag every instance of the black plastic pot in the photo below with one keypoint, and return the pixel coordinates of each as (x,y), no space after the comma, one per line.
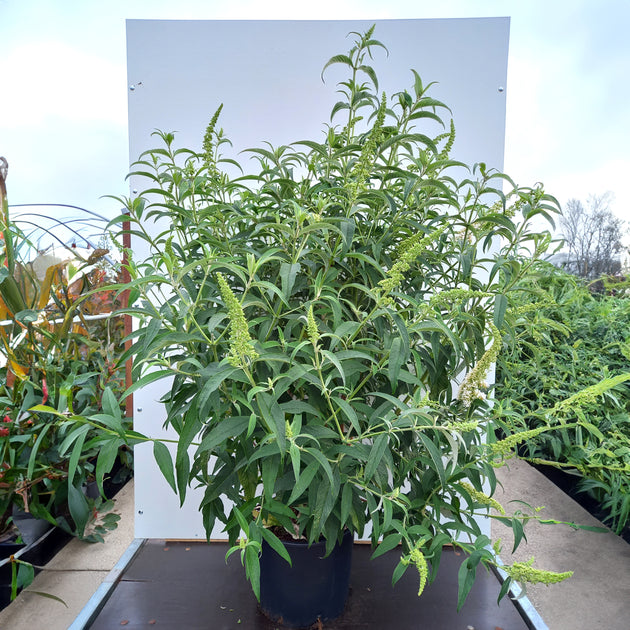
(31,529)
(314,587)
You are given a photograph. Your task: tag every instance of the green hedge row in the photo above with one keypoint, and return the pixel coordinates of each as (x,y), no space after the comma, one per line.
(568,338)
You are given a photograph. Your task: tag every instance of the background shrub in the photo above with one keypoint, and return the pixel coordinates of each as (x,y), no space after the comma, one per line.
(566,339)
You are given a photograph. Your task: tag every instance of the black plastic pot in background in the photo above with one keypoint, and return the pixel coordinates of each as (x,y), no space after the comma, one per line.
(31,529)
(314,587)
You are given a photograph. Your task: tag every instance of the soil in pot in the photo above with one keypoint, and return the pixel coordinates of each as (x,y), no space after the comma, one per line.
(314,588)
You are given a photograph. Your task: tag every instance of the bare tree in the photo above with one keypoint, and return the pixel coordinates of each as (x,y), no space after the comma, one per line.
(593,236)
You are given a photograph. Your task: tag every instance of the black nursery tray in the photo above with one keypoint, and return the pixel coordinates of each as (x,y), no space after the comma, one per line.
(180,585)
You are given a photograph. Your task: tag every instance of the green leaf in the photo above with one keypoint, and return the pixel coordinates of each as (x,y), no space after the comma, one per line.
(13,580)
(396,359)
(189,428)
(106,459)
(241,520)
(333,359)
(165,463)
(273,416)
(182,473)
(251,425)
(376,455)
(591,428)
(399,571)
(27,316)
(111,422)
(370,72)
(110,404)
(325,464)
(348,227)
(10,292)
(499,219)
(294,451)
(337,107)
(348,328)
(149,378)
(25,574)
(304,481)
(274,542)
(588,528)
(49,596)
(346,502)
(226,429)
(374,515)
(505,587)
(34,453)
(500,307)
(344,59)
(288,274)
(435,457)
(299,406)
(149,333)
(272,288)
(518,531)
(348,411)
(76,431)
(269,475)
(320,511)
(396,402)
(77,452)
(389,542)
(252,569)
(79,509)
(465,580)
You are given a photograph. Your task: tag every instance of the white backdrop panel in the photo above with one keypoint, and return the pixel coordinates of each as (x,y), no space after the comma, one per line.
(267,75)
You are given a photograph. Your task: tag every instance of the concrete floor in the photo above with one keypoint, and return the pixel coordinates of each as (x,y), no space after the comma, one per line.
(597,597)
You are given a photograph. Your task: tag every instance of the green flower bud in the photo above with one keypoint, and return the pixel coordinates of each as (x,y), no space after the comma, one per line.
(480,497)
(525,572)
(417,558)
(311,326)
(474,381)
(241,344)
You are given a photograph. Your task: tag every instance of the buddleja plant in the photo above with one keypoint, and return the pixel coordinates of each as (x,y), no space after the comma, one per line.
(329,321)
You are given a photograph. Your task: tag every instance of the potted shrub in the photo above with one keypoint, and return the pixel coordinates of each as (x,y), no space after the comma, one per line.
(329,321)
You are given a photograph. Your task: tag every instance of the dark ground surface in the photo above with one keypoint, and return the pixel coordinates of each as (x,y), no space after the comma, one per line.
(188,586)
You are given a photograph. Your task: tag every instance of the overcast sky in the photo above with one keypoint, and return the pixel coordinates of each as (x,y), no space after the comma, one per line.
(63,88)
